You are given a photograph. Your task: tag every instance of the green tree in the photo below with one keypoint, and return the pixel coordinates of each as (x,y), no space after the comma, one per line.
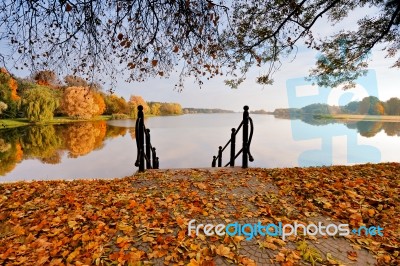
(39,104)
(3,106)
(392,106)
(371,106)
(40,142)
(351,107)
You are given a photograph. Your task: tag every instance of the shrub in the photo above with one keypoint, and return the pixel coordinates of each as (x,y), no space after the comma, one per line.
(119,116)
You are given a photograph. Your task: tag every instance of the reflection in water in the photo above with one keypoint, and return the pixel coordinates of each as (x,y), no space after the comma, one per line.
(133,133)
(48,143)
(82,138)
(365,128)
(392,128)
(40,142)
(10,157)
(371,128)
(65,151)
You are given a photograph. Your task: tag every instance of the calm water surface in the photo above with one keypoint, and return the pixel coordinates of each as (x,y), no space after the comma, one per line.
(108,149)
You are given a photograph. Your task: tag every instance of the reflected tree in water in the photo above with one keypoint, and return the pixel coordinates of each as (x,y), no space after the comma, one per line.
(82,138)
(101,126)
(49,143)
(392,128)
(10,155)
(369,128)
(113,132)
(4,146)
(53,159)
(133,133)
(40,142)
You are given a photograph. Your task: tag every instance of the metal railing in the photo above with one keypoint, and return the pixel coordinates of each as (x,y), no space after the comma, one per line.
(246,141)
(145,151)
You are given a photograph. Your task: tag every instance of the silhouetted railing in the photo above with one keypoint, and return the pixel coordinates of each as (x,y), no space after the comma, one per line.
(147,155)
(245,150)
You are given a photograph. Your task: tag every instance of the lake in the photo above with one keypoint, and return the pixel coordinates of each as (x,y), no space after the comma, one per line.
(107,149)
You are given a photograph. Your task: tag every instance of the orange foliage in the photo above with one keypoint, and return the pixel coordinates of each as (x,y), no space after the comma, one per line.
(101,126)
(20,153)
(99,101)
(3,70)
(70,219)
(380,109)
(138,100)
(79,102)
(12,84)
(82,138)
(9,163)
(42,83)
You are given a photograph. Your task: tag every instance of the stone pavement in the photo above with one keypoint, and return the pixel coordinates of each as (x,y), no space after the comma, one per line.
(239,200)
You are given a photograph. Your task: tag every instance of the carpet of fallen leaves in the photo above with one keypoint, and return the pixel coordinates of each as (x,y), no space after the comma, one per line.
(143,219)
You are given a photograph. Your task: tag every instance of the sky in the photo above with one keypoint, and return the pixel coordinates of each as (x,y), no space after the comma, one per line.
(215,94)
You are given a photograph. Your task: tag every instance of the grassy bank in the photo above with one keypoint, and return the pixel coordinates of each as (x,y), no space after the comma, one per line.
(383,118)
(143,219)
(7,123)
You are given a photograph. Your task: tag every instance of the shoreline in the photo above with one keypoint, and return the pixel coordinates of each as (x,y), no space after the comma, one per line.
(346,117)
(20,122)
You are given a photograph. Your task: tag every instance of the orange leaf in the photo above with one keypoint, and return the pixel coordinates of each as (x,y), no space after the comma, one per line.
(352,255)
(222,250)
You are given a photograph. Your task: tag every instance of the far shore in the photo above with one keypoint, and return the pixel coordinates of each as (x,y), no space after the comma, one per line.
(18,122)
(383,118)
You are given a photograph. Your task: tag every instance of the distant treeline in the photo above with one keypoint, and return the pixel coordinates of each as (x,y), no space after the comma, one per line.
(368,106)
(262,112)
(205,111)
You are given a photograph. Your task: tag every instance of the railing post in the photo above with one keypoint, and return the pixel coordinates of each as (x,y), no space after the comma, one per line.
(233,142)
(148,154)
(141,138)
(245,147)
(214,161)
(219,156)
(154,158)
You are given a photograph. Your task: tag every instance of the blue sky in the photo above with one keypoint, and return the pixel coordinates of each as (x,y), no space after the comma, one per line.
(215,94)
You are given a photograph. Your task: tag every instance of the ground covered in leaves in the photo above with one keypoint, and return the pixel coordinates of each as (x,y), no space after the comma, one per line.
(143,219)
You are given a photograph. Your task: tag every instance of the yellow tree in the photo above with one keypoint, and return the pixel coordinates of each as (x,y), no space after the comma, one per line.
(99,101)
(79,102)
(135,101)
